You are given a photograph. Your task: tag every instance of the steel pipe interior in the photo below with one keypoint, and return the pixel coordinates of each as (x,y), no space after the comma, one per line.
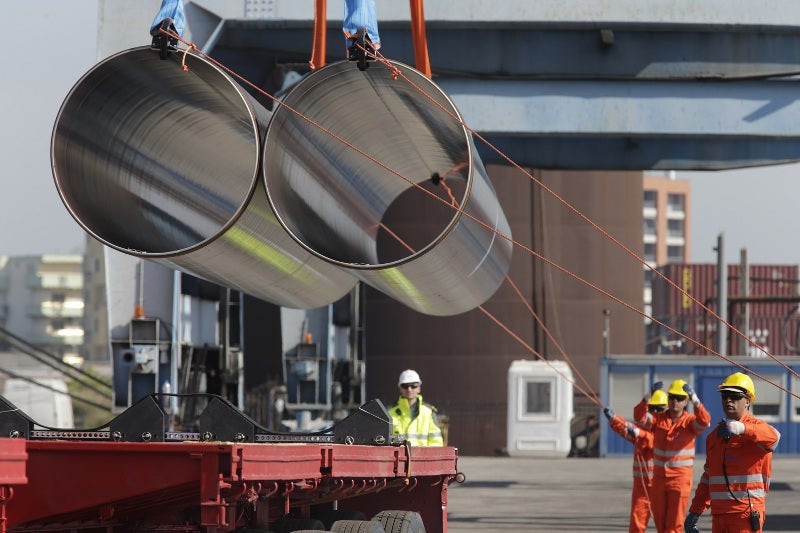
(328,186)
(163,164)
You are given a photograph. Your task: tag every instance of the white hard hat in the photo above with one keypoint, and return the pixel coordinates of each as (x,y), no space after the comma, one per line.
(408,376)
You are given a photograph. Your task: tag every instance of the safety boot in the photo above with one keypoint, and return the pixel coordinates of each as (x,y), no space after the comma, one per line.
(361,49)
(162,42)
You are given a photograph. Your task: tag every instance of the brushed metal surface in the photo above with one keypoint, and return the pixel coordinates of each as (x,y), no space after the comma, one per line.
(163,164)
(352,212)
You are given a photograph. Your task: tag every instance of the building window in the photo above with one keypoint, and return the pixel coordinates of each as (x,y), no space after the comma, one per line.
(650,252)
(770,399)
(650,199)
(676,202)
(648,280)
(538,398)
(649,227)
(795,402)
(675,254)
(626,389)
(675,228)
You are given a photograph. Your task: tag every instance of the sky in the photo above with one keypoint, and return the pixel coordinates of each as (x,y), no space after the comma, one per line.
(756,209)
(51,44)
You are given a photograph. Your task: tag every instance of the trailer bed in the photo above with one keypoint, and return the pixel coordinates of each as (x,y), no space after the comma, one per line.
(213,486)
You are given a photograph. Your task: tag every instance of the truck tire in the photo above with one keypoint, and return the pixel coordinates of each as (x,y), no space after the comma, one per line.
(329,516)
(357,526)
(400,521)
(292,525)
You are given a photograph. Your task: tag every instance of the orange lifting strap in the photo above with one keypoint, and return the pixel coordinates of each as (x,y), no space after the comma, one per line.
(417,33)
(420,40)
(320,34)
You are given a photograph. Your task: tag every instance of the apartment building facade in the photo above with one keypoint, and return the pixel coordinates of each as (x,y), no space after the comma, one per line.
(96,347)
(667,223)
(41,301)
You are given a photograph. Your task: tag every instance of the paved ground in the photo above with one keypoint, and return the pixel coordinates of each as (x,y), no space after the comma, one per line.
(580,494)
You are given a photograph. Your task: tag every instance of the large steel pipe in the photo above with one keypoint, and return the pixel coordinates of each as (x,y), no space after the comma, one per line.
(341,205)
(163,164)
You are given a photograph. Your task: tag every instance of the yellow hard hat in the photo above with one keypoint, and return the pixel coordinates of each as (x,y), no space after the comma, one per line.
(676,388)
(659,397)
(739,382)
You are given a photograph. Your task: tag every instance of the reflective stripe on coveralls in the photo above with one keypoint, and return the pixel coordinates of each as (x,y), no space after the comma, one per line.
(748,463)
(673,456)
(642,473)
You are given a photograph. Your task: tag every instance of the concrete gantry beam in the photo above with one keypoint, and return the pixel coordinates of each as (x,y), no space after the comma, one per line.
(547,39)
(612,39)
(634,124)
(545,53)
(583,84)
(716,12)
(765,108)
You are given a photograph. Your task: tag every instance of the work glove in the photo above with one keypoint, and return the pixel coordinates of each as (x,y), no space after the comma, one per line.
(727,428)
(692,395)
(722,430)
(658,385)
(690,524)
(608,412)
(631,432)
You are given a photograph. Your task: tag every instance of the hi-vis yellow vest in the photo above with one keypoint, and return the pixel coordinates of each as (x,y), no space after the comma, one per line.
(420,431)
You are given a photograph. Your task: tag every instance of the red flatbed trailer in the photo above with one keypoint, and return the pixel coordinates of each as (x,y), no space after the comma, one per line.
(59,485)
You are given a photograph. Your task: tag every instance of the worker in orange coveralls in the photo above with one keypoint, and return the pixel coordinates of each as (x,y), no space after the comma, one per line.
(738,464)
(674,433)
(642,461)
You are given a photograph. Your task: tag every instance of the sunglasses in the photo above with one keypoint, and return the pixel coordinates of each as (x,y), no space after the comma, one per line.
(657,408)
(410,385)
(676,397)
(735,396)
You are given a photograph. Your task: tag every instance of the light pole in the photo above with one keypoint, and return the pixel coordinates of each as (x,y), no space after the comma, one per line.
(722,295)
(606,330)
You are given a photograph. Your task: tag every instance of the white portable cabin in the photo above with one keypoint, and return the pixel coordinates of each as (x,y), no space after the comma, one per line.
(539,408)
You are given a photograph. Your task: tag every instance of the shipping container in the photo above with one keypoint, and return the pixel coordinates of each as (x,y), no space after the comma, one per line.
(777,335)
(771,305)
(700,280)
